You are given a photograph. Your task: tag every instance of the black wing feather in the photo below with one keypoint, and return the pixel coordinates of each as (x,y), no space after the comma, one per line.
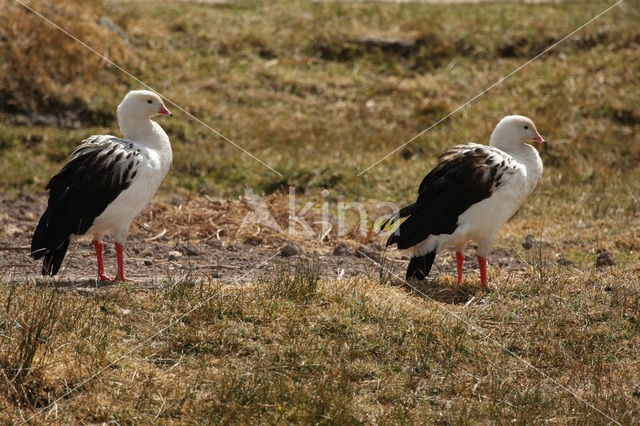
(464,176)
(420,266)
(100,169)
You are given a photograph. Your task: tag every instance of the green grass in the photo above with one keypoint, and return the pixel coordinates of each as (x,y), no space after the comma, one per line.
(292,82)
(282,79)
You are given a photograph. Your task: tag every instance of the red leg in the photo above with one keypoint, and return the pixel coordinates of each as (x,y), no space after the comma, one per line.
(459,260)
(120,255)
(97,245)
(482,262)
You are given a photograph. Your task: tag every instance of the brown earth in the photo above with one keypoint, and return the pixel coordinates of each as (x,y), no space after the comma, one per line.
(203,238)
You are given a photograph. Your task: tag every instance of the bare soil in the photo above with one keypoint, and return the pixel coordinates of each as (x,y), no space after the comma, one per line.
(203,238)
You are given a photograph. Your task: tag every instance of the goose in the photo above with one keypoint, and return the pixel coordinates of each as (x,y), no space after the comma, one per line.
(105,185)
(470,194)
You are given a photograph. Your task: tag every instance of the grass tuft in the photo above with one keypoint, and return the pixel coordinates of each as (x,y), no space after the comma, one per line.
(296,281)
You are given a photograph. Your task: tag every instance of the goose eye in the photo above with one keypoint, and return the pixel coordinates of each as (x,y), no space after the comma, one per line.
(526,127)
(150,102)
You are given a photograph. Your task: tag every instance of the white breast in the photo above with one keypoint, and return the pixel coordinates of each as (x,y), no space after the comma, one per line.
(117,217)
(482,221)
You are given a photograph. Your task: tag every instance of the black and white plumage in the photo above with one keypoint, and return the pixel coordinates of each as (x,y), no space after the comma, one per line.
(469,195)
(105,185)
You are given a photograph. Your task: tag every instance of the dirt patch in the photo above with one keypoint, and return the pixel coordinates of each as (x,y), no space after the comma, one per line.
(205,238)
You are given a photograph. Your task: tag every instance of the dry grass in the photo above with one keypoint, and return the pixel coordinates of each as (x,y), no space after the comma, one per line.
(43,70)
(296,84)
(265,221)
(297,349)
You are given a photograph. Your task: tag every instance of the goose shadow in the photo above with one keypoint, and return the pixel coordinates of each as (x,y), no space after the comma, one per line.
(440,290)
(70,284)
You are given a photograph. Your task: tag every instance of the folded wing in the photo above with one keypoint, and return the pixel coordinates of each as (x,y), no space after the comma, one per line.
(465,175)
(100,169)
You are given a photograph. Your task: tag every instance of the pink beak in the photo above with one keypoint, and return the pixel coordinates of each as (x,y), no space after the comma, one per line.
(538,138)
(165,111)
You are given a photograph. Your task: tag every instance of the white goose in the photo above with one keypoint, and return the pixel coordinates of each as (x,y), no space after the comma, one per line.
(104,186)
(469,195)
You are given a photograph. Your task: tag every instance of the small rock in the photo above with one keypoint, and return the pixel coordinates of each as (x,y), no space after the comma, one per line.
(215,243)
(605,258)
(342,249)
(528,242)
(376,247)
(254,240)
(407,154)
(174,255)
(188,249)
(367,253)
(290,249)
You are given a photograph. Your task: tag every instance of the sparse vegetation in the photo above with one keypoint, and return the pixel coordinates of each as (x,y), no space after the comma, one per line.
(320,91)
(356,351)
